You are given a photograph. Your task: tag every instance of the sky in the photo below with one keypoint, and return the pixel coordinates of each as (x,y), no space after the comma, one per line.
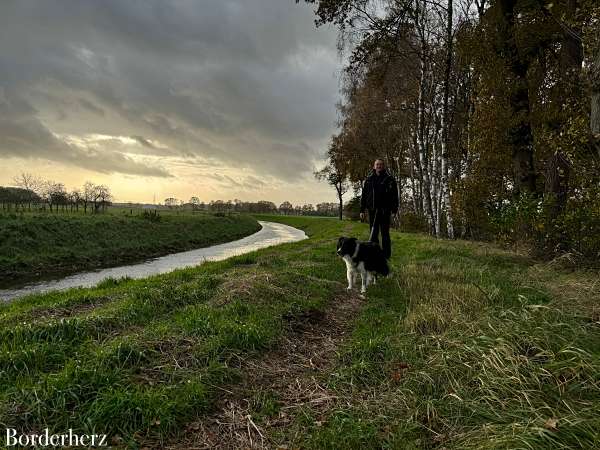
(219,99)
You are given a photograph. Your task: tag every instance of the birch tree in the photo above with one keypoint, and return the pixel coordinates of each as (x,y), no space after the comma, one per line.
(445,118)
(419,14)
(595,99)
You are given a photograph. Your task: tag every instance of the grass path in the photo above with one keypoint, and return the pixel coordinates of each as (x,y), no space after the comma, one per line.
(465,346)
(275,386)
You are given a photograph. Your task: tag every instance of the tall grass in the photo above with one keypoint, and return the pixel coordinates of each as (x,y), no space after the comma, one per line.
(466,347)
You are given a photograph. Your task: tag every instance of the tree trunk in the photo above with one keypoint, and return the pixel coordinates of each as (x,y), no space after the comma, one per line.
(340,198)
(445,121)
(435,204)
(520,136)
(558,167)
(414,189)
(425,179)
(558,170)
(595,114)
(416,178)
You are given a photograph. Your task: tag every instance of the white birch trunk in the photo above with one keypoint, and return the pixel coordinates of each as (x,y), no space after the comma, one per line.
(445,179)
(435,184)
(414,170)
(445,116)
(426,181)
(398,185)
(439,194)
(446,193)
(414,189)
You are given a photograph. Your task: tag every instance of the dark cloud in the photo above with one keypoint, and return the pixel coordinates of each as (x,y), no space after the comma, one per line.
(23,135)
(250,83)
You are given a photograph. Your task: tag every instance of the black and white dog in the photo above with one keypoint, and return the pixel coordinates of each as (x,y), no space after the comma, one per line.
(364,258)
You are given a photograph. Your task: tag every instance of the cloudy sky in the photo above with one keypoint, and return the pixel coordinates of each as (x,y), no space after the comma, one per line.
(221,99)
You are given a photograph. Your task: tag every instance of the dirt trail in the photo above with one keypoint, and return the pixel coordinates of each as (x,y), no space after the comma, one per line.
(294,373)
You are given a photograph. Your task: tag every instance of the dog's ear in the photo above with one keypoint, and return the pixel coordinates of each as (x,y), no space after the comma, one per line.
(340,240)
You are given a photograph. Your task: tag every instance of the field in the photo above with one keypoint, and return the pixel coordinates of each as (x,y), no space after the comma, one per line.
(34,244)
(464,346)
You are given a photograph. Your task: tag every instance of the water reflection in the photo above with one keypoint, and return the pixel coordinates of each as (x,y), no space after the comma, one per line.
(271,234)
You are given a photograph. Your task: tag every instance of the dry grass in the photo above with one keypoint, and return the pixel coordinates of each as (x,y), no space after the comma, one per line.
(274,387)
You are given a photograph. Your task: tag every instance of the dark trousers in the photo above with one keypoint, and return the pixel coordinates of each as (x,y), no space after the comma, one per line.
(382,223)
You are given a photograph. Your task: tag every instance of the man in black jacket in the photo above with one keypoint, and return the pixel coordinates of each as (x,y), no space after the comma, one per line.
(380,198)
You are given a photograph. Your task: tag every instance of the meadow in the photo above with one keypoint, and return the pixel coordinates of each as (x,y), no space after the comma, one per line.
(465,345)
(45,244)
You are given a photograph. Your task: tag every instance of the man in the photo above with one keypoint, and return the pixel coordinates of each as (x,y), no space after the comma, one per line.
(380,198)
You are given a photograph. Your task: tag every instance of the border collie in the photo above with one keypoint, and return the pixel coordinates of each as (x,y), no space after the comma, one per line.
(364,258)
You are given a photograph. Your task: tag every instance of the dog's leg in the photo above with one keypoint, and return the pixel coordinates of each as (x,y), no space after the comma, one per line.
(364,278)
(350,278)
(370,278)
(373,278)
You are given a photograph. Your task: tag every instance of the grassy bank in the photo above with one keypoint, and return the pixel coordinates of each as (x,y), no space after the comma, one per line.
(465,346)
(46,244)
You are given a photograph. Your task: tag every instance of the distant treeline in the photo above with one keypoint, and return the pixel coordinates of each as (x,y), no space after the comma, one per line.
(261,206)
(32,192)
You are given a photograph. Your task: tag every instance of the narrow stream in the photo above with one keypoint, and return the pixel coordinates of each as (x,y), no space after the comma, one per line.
(270,234)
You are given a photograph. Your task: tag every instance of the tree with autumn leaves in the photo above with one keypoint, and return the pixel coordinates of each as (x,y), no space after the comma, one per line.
(486,111)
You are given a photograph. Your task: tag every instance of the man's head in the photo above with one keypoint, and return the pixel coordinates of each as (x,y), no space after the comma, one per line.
(379,165)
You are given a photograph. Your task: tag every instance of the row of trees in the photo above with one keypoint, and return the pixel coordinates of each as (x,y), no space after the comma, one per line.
(262,206)
(32,192)
(487,112)
(320,209)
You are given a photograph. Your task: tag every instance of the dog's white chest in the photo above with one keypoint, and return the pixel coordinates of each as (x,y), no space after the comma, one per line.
(350,265)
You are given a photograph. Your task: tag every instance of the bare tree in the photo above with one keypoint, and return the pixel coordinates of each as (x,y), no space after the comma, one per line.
(102,197)
(336,178)
(54,194)
(29,182)
(75,199)
(89,190)
(195,202)
(286,208)
(171,202)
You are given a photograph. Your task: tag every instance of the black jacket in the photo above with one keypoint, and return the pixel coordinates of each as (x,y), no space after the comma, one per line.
(379,192)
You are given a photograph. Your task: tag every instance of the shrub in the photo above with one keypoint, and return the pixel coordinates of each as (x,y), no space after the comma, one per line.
(151,214)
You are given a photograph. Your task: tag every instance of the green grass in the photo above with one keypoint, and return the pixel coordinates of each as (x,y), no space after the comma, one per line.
(34,244)
(464,346)
(145,355)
